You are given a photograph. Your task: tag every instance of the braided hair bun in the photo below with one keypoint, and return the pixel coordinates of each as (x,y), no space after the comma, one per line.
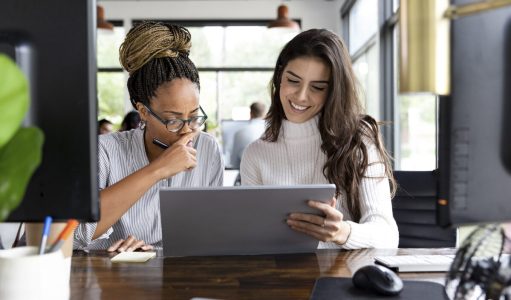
(153,40)
(154,53)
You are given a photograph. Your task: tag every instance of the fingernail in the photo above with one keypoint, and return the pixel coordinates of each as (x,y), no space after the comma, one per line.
(121,249)
(129,250)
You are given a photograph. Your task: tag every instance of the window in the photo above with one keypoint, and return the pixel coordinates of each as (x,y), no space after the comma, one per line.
(370,28)
(361,18)
(363,23)
(111,79)
(416,117)
(366,71)
(236,64)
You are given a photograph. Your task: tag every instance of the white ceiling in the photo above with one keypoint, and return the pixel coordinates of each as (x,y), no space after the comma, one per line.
(312,13)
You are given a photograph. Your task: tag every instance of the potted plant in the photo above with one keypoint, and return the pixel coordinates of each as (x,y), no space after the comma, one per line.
(20,147)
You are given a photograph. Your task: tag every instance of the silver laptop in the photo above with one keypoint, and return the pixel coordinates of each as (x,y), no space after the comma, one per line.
(241,220)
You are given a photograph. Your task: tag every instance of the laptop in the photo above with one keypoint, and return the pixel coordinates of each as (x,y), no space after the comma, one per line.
(240,220)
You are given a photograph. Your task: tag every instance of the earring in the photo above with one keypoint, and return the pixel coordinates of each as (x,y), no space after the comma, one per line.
(142,125)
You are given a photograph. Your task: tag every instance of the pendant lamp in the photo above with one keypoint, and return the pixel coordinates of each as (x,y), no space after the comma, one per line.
(283,19)
(101,22)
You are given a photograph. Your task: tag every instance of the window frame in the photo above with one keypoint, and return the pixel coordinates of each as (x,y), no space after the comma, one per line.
(388,18)
(116,23)
(119,70)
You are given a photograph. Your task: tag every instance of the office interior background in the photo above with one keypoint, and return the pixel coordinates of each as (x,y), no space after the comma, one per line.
(236,52)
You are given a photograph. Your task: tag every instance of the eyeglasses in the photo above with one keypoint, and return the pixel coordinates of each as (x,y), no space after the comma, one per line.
(175,125)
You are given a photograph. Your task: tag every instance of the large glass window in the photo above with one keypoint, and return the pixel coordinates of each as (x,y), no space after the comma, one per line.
(236,64)
(234,46)
(373,45)
(111,96)
(366,70)
(362,22)
(416,130)
(240,89)
(111,79)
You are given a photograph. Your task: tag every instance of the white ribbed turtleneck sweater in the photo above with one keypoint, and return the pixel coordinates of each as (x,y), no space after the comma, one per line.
(296,158)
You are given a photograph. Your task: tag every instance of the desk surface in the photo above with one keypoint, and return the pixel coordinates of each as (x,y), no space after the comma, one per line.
(93,276)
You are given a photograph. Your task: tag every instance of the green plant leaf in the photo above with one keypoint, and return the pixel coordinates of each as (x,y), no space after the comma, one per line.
(14,98)
(18,160)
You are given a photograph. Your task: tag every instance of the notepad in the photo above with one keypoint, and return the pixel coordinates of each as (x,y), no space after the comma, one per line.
(133,257)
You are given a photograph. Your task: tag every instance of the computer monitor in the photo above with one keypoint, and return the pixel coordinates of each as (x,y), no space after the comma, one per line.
(229,129)
(53,41)
(475,144)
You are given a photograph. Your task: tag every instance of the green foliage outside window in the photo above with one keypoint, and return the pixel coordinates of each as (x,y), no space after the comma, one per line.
(111,85)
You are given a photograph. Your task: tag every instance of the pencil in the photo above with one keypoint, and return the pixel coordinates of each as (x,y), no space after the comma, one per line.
(64,234)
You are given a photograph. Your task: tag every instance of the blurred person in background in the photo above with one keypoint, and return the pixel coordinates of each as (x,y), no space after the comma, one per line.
(131,121)
(248,134)
(105,126)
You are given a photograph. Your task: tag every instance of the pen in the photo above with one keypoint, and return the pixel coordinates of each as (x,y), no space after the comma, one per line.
(70,226)
(160,144)
(46,230)
(164,146)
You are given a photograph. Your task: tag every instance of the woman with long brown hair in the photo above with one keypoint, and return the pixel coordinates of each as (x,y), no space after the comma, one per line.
(316,133)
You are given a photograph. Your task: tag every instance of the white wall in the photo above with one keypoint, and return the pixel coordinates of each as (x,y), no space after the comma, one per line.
(313,13)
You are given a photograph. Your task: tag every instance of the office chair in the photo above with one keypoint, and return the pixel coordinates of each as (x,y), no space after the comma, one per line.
(414,208)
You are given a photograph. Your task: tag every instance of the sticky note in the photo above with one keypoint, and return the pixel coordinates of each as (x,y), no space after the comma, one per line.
(133,257)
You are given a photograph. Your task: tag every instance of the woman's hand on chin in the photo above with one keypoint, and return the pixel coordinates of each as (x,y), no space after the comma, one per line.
(177,158)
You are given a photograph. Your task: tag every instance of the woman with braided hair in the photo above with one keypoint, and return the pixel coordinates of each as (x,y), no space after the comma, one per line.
(167,150)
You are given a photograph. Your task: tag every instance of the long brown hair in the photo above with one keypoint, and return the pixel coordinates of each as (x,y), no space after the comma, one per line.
(344,129)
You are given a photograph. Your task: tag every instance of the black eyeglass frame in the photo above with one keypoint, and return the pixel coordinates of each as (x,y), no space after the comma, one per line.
(183,121)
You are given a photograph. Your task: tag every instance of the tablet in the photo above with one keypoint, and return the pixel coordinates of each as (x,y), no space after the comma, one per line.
(239,220)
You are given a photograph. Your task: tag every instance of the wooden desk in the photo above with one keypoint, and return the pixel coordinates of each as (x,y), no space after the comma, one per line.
(93,276)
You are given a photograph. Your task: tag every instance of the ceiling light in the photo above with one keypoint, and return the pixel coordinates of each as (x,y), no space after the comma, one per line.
(101,22)
(283,19)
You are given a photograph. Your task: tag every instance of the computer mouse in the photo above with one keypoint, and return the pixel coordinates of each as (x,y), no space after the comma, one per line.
(378,279)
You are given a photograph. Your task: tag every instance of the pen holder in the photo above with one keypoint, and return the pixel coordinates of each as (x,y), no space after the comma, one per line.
(34,233)
(26,275)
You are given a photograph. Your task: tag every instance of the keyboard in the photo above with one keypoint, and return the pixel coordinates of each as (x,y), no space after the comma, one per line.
(416,263)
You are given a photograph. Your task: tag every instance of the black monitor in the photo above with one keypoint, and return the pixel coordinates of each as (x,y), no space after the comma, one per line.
(475,149)
(53,41)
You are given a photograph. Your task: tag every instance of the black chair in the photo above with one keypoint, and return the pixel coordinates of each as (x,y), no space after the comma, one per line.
(414,208)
